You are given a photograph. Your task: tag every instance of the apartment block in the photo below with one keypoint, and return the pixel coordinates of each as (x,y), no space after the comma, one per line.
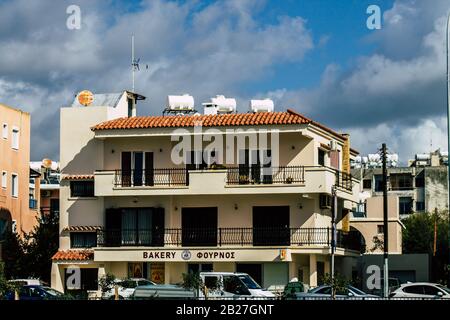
(145,196)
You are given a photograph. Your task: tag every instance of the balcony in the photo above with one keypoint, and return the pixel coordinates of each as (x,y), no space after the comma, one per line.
(232,180)
(222,237)
(167,177)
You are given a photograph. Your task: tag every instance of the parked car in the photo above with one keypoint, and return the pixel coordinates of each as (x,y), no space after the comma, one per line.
(28,282)
(36,292)
(421,290)
(221,285)
(126,288)
(325,291)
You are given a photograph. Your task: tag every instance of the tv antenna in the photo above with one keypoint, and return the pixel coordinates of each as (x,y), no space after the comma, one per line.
(134,62)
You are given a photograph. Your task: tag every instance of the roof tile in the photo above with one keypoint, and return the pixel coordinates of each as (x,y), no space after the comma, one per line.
(73,255)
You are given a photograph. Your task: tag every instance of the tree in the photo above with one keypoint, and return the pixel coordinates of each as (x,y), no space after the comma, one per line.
(107,282)
(40,245)
(418,237)
(193,281)
(14,256)
(338,284)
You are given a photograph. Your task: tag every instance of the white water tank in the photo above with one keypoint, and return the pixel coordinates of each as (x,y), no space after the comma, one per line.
(265,105)
(180,103)
(219,104)
(423,157)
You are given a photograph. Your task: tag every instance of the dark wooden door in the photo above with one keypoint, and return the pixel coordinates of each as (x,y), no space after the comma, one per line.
(271,226)
(199,226)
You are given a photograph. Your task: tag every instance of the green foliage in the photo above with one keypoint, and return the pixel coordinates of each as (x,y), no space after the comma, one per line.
(107,282)
(192,281)
(339,284)
(418,237)
(30,257)
(13,256)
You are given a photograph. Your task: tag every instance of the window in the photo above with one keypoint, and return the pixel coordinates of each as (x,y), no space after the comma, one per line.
(405,205)
(380,229)
(367,184)
(15,139)
(212,282)
(414,289)
(82,188)
(14,185)
(321,157)
(5,131)
(378,183)
(4,179)
(431,290)
(420,206)
(195,161)
(420,181)
(401,181)
(83,239)
(325,201)
(88,281)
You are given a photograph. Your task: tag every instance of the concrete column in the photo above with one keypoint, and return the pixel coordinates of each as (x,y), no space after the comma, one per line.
(57,277)
(327,265)
(293,268)
(312,270)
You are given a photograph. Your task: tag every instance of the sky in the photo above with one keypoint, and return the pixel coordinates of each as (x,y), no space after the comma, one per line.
(317,57)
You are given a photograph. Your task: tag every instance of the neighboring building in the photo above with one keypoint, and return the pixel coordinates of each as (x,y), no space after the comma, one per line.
(49,185)
(420,187)
(17,210)
(369,221)
(126,208)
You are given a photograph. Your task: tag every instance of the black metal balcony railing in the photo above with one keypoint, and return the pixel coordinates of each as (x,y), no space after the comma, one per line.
(344,180)
(210,237)
(152,177)
(265,175)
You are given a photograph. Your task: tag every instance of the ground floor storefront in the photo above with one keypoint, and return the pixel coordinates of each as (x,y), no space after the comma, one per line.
(271,268)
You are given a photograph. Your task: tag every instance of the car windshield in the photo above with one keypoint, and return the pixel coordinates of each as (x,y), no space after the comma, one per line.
(249,282)
(357,291)
(52,292)
(447,290)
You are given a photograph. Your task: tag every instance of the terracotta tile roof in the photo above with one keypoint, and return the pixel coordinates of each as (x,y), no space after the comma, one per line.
(78,177)
(219,120)
(73,255)
(82,228)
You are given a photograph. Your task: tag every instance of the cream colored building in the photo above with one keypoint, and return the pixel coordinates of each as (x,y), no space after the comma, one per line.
(370,224)
(127,208)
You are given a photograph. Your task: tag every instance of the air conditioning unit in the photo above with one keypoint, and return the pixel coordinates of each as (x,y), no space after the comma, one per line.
(46,193)
(325,201)
(333,145)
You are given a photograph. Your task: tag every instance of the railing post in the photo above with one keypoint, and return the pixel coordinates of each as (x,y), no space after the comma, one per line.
(220,237)
(328,236)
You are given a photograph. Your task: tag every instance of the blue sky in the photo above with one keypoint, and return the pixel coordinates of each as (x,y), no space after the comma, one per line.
(315,56)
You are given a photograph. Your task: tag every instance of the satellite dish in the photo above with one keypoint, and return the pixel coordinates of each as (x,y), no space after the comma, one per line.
(85,97)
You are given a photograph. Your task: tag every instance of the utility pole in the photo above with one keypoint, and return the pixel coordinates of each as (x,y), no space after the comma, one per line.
(448,145)
(385,223)
(333,240)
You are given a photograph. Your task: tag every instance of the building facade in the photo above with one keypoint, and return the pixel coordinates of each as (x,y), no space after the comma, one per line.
(16,209)
(137,198)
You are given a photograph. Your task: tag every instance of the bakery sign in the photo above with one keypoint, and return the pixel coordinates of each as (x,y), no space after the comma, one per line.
(188,255)
(191,255)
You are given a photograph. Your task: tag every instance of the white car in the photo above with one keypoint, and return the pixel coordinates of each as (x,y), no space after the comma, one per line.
(126,288)
(421,290)
(28,282)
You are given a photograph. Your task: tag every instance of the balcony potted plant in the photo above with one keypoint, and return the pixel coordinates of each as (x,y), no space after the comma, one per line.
(289,180)
(243,179)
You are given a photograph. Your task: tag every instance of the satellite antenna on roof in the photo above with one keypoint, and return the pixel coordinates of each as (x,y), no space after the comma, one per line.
(134,62)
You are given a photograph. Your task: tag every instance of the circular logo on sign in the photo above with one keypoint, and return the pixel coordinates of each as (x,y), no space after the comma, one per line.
(186,255)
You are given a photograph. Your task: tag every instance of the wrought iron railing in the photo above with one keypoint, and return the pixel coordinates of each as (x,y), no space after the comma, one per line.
(265,175)
(217,237)
(344,180)
(151,177)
